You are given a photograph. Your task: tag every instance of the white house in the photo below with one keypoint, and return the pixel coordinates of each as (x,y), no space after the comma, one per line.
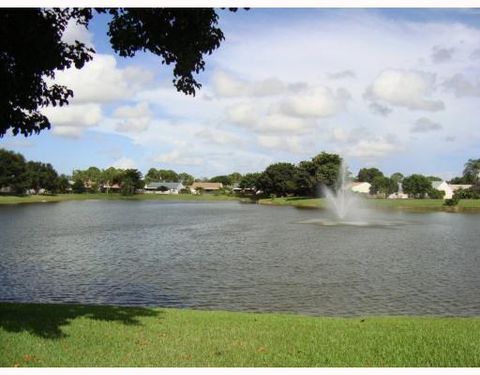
(443,186)
(360,187)
(163,187)
(455,187)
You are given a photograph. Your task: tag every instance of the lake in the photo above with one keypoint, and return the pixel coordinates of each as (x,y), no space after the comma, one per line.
(233,256)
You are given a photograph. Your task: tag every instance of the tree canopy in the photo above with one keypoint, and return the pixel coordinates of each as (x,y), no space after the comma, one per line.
(32,50)
(368,174)
(417,185)
(471,172)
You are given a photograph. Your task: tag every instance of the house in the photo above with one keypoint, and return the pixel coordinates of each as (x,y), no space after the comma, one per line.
(206,186)
(110,187)
(6,189)
(456,187)
(163,187)
(360,187)
(443,186)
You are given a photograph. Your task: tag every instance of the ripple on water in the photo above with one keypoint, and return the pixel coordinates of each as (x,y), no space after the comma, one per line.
(240,257)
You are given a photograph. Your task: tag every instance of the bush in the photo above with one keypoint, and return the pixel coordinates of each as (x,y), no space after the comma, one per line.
(451,202)
(78,187)
(185,191)
(436,194)
(467,194)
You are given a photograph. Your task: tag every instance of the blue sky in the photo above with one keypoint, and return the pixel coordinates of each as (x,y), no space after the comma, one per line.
(398,89)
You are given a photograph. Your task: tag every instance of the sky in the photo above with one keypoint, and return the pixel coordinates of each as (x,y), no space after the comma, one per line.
(396,89)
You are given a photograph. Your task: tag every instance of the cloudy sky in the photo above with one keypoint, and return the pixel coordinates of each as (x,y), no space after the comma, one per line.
(395,89)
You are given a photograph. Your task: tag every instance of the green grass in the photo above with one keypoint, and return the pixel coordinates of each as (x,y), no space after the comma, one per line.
(105,336)
(13,199)
(472,205)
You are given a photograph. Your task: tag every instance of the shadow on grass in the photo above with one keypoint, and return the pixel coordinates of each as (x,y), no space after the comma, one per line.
(47,320)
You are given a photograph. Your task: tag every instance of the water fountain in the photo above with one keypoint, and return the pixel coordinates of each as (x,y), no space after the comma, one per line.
(347,208)
(341,201)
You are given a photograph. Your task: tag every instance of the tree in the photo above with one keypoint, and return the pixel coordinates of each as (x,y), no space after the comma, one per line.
(225,180)
(61,184)
(78,187)
(110,176)
(90,177)
(368,174)
(434,178)
(41,176)
(166,175)
(12,171)
(186,179)
(249,181)
(383,185)
(235,178)
(131,181)
(416,185)
(32,49)
(279,179)
(471,172)
(397,177)
(321,170)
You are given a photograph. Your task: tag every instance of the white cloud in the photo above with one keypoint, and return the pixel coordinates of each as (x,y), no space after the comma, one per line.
(226,85)
(74,32)
(243,114)
(133,118)
(101,81)
(409,89)
(380,109)
(179,157)
(219,137)
(342,74)
(318,102)
(463,87)
(277,122)
(72,120)
(373,148)
(442,54)
(475,54)
(423,125)
(124,163)
(293,144)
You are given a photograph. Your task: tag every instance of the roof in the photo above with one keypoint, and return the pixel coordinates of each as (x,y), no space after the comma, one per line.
(357,183)
(436,184)
(207,185)
(168,185)
(459,186)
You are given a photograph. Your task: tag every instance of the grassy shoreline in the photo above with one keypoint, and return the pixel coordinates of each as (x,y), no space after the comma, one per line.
(15,199)
(465,205)
(56,335)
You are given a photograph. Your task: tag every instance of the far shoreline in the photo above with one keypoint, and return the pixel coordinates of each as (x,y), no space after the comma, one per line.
(414,205)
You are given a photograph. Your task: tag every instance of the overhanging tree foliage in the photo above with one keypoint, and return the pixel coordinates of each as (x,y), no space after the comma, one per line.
(32,50)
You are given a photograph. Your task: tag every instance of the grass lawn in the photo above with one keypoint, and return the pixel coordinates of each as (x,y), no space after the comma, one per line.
(12,199)
(83,336)
(466,205)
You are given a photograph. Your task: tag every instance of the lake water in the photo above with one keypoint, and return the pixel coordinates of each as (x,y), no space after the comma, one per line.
(233,256)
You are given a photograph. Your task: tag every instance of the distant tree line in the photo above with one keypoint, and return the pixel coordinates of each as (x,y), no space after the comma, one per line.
(279,179)
(19,175)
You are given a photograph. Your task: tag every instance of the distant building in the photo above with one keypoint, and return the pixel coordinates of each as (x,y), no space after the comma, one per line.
(360,187)
(449,189)
(206,186)
(163,187)
(455,187)
(110,187)
(443,186)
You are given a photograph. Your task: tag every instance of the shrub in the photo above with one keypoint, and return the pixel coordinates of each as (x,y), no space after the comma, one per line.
(451,202)
(436,194)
